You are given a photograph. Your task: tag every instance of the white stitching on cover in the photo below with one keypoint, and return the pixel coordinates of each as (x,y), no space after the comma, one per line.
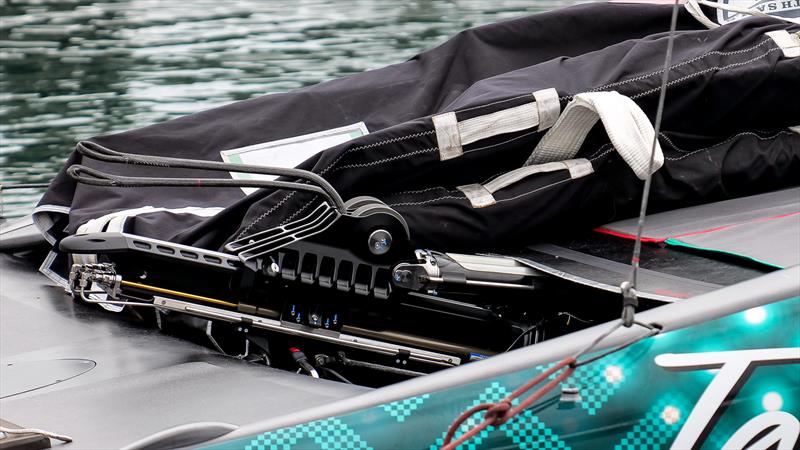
(638,78)
(423,202)
(533,191)
(325,170)
(419,191)
(745,133)
(265,214)
(385,160)
(376,144)
(607,147)
(708,69)
(504,142)
(296,213)
(619,83)
(680,64)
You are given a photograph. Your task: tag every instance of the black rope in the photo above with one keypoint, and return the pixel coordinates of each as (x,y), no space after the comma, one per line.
(93,177)
(6,186)
(101,153)
(336,374)
(652,331)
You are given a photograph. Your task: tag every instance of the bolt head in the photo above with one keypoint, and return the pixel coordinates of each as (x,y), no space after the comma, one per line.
(379,242)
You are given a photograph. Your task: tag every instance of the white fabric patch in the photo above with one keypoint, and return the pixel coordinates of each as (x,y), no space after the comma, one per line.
(627,126)
(477,195)
(289,152)
(448,137)
(779,8)
(45,270)
(579,167)
(43,218)
(788,43)
(548,106)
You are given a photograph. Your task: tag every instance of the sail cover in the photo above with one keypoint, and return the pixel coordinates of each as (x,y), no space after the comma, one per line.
(503,136)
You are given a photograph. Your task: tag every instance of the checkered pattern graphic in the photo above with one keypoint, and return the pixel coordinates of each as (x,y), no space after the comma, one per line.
(525,430)
(328,434)
(529,433)
(599,381)
(659,425)
(401,409)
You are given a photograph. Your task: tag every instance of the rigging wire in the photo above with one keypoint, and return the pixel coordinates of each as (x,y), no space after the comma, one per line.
(336,374)
(629,297)
(501,412)
(540,323)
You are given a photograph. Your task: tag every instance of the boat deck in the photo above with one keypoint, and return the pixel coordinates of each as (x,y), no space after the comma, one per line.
(139,380)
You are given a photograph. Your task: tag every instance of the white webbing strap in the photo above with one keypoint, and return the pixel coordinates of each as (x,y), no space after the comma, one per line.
(481,196)
(693,8)
(499,122)
(789,43)
(627,126)
(448,139)
(452,135)
(478,195)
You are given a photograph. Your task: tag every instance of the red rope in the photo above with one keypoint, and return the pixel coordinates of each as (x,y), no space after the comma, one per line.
(502,411)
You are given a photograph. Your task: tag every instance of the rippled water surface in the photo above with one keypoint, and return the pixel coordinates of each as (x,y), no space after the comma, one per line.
(73,69)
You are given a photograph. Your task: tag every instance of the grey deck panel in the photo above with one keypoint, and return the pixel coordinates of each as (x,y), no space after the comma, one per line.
(682,221)
(775,242)
(144,381)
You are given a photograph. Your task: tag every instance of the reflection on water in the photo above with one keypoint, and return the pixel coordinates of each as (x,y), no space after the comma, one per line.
(72,69)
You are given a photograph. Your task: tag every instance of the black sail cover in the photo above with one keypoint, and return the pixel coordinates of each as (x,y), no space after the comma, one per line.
(729,129)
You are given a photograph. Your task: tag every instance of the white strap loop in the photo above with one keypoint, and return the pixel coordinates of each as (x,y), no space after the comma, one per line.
(452,135)
(788,43)
(627,126)
(549,107)
(480,196)
(693,8)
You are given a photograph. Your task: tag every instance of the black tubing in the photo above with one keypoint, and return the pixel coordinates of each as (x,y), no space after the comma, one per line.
(86,175)
(101,153)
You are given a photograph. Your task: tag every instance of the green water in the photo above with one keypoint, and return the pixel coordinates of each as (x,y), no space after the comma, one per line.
(70,70)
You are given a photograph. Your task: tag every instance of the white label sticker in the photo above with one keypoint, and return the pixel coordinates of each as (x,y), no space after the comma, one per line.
(289,152)
(781,8)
